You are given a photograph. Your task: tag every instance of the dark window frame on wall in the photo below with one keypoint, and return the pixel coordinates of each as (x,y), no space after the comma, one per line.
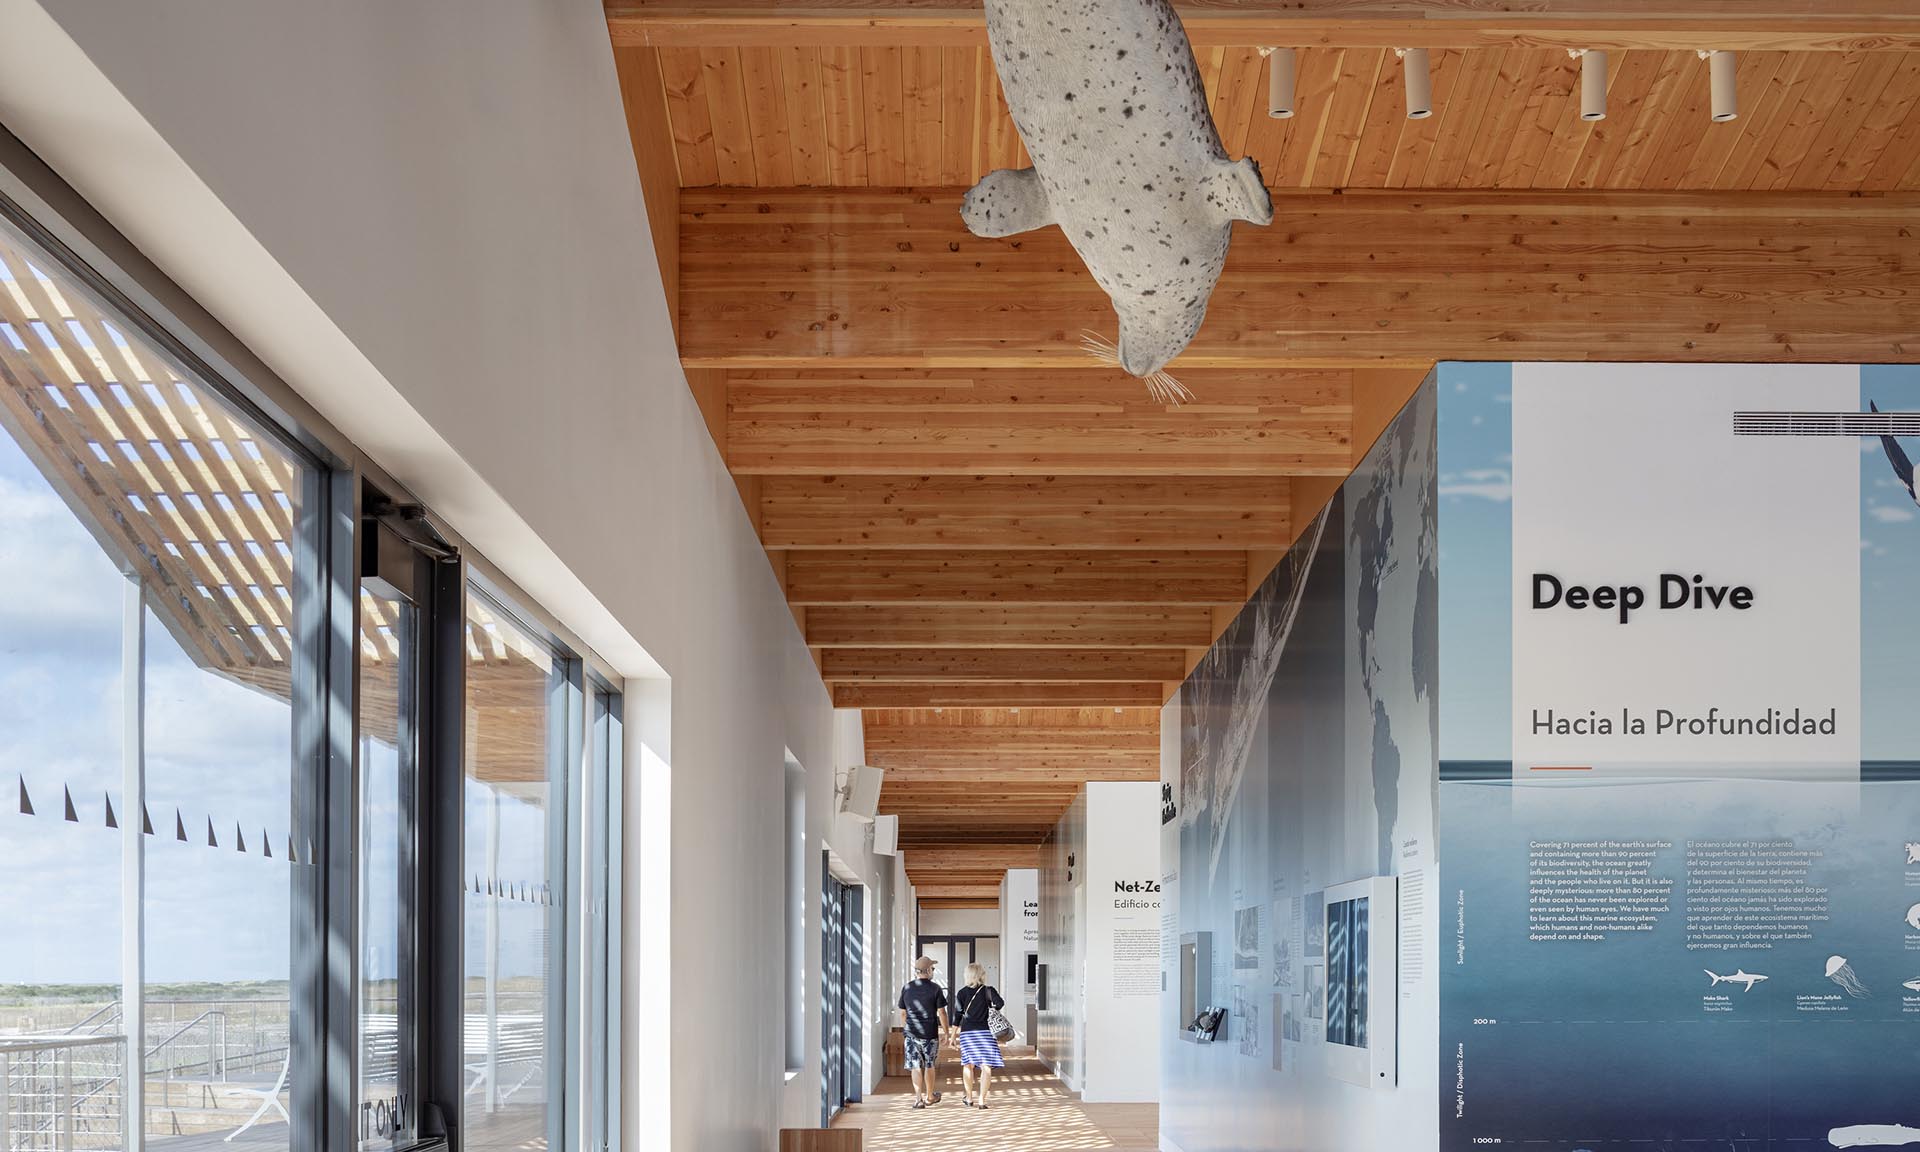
(354,530)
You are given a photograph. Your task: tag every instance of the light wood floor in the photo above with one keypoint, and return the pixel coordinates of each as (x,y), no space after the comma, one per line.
(1029,1111)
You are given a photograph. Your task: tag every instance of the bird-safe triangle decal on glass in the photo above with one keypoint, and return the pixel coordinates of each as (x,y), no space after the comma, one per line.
(146,821)
(239,838)
(179,826)
(26,802)
(66,797)
(266,845)
(212,842)
(291,858)
(111,821)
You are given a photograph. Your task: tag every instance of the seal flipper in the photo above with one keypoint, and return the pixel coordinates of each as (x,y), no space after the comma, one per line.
(1006,201)
(1236,186)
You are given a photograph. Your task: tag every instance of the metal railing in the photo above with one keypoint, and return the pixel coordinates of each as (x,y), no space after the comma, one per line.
(60,1094)
(62,1088)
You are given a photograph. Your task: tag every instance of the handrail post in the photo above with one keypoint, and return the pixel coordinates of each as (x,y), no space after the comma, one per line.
(63,1102)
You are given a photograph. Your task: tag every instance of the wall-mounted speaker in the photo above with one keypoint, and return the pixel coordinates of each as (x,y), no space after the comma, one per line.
(862,795)
(886,835)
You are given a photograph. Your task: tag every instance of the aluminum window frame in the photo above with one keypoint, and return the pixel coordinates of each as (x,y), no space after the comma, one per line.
(324,671)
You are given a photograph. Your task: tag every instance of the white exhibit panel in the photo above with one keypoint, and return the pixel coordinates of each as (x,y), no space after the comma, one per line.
(959,921)
(1100,918)
(1019,945)
(1680,762)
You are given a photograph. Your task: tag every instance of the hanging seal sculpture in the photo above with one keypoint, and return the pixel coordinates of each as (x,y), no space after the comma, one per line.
(1126,160)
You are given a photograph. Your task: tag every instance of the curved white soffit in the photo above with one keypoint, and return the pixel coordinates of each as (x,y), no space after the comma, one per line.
(63,107)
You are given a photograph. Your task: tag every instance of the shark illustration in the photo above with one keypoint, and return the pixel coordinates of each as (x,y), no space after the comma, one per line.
(1741,976)
(1912,985)
(1873,1136)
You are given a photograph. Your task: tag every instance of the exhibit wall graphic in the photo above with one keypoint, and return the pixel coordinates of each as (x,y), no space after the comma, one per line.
(1305,758)
(1679,810)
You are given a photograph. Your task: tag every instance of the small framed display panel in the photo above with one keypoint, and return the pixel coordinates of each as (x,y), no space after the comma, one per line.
(1362,985)
(1196,981)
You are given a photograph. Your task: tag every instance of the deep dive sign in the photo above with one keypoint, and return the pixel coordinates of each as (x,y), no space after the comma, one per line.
(1682,594)
(1676,593)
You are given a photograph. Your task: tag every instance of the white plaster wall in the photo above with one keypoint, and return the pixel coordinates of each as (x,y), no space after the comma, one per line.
(960,922)
(425,217)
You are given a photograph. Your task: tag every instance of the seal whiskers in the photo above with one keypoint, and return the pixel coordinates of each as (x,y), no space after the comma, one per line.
(1161,384)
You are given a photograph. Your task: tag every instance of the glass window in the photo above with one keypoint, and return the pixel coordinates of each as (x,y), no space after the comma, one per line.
(183,888)
(517,740)
(164,725)
(796,916)
(389,681)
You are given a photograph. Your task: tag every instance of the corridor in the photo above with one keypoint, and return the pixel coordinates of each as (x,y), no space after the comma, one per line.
(1029,1111)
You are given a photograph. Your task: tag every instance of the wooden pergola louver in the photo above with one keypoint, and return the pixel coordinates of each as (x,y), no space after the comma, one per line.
(969,517)
(178,490)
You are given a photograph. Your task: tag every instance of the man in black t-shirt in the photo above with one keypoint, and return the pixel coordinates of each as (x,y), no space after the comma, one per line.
(923,1007)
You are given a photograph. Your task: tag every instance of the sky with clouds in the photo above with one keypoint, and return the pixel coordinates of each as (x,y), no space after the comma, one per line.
(217,753)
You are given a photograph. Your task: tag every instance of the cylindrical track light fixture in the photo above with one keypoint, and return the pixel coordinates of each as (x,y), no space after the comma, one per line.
(1419,81)
(1726,90)
(1593,82)
(1281,63)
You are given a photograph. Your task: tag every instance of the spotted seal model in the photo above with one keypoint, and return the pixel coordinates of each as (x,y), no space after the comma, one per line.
(1126,160)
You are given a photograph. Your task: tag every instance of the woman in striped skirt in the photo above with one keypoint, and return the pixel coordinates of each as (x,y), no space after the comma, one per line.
(978,1049)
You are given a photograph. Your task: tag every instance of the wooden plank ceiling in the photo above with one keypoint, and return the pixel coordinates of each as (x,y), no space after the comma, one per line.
(1009,556)
(1503,118)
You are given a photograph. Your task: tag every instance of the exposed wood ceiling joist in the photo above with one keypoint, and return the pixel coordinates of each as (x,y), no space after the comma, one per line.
(1807,25)
(1024,626)
(1074,665)
(1016,577)
(1076,420)
(999,694)
(877,277)
(1181,513)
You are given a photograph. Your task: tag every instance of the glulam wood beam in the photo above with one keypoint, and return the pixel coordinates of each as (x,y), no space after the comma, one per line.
(963,856)
(1229,513)
(862,278)
(1016,577)
(1010,626)
(1812,25)
(999,694)
(915,831)
(1025,664)
(1061,421)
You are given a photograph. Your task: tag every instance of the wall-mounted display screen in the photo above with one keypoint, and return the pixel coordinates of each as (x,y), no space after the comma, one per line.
(1347,972)
(1361,982)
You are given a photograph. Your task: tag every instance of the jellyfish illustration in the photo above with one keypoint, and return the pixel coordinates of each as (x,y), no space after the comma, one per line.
(1842,973)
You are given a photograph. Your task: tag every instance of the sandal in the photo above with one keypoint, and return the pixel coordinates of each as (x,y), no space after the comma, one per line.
(919,1103)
